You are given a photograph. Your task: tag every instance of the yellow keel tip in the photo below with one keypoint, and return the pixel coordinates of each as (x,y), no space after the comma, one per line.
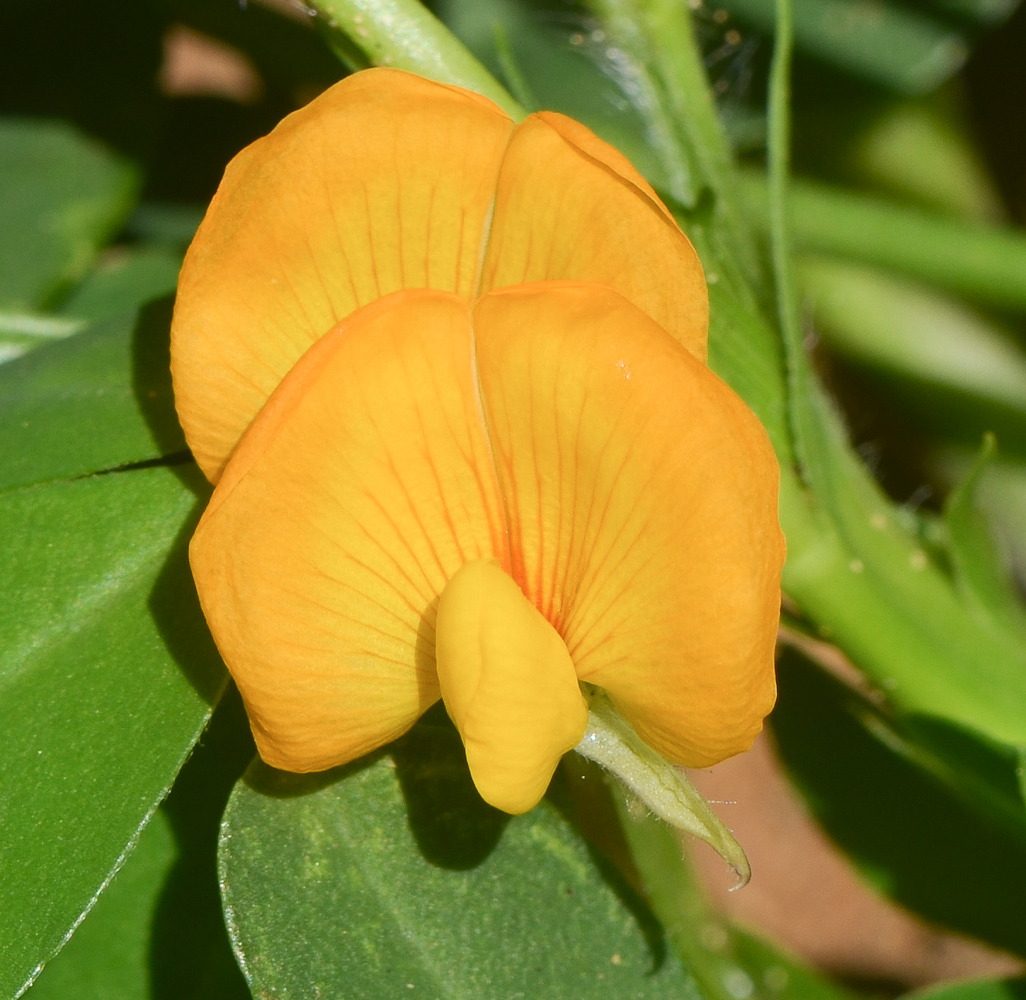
(508,683)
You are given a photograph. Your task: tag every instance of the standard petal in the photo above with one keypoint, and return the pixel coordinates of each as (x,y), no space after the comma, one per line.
(383,182)
(570,207)
(641,495)
(361,487)
(508,683)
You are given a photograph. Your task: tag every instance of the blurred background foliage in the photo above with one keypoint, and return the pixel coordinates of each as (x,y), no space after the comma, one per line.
(116,120)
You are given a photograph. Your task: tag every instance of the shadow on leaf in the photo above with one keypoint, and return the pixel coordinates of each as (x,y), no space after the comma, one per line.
(151,375)
(580,793)
(190,955)
(276,784)
(175,608)
(453,826)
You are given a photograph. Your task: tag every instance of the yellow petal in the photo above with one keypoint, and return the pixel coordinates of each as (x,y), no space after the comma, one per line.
(383,182)
(571,207)
(508,684)
(361,487)
(641,495)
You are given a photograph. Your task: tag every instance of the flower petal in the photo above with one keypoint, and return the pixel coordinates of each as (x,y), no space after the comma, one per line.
(383,182)
(361,487)
(641,495)
(508,683)
(570,207)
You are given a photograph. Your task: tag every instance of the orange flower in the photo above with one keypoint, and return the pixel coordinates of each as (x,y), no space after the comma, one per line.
(448,375)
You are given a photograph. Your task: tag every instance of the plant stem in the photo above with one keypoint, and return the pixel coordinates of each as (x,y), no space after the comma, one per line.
(405,35)
(778,170)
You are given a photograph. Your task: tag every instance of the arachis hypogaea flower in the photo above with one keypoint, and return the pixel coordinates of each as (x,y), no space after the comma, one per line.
(448,375)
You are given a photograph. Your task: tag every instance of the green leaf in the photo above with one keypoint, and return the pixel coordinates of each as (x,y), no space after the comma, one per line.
(873,589)
(164,224)
(898,327)
(95,401)
(21,332)
(983,262)
(63,196)
(776,974)
(891,45)
(107,958)
(107,674)
(919,152)
(744,351)
(157,930)
(392,878)
(982,774)
(124,279)
(984,581)
(1000,494)
(932,851)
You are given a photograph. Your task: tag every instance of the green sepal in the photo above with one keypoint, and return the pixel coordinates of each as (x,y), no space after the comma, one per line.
(661,786)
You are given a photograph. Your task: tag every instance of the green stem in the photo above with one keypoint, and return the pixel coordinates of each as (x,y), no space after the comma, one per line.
(875,593)
(779,165)
(677,899)
(799,377)
(726,961)
(405,35)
